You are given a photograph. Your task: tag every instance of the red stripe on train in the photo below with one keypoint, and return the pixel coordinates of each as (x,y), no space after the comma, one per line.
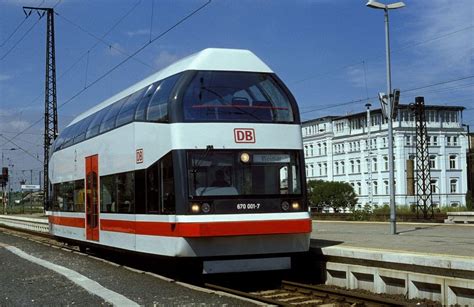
(208,229)
(202,229)
(67,221)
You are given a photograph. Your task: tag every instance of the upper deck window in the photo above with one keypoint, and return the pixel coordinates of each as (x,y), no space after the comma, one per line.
(236,96)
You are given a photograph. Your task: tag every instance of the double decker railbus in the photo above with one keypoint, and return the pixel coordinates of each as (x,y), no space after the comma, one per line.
(201,160)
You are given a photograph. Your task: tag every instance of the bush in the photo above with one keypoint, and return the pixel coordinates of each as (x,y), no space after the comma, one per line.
(337,195)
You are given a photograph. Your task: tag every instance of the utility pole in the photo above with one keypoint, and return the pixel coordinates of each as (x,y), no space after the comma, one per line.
(424,201)
(369,156)
(50,100)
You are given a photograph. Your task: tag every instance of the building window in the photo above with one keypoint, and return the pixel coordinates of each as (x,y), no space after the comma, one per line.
(435,141)
(343,170)
(385,163)
(358,166)
(325,149)
(312,170)
(352,167)
(453,183)
(306,170)
(325,169)
(375,188)
(455,141)
(434,186)
(311,149)
(374,164)
(385,185)
(433,162)
(320,169)
(452,162)
(448,140)
(407,141)
(319,149)
(306,150)
(336,168)
(359,188)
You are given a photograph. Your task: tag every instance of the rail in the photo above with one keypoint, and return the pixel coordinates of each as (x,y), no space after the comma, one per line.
(30,224)
(292,293)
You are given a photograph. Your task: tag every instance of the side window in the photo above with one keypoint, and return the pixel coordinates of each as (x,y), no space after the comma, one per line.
(68,136)
(126,192)
(153,189)
(127,112)
(167,180)
(79,196)
(140,191)
(108,195)
(66,197)
(140,113)
(108,123)
(94,126)
(117,193)
(80,132)
(158,107)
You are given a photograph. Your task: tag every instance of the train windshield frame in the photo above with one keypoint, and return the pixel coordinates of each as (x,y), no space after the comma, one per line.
(231,96)
(219,173)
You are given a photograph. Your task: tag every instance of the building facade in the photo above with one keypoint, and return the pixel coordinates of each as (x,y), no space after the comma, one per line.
(345,148)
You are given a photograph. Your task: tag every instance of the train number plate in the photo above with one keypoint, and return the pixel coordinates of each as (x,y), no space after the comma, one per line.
(248,206)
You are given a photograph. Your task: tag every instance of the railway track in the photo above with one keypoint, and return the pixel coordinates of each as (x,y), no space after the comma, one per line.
(293,293)
(288,294)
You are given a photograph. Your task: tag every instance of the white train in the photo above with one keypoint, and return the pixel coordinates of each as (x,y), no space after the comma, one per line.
(202,159)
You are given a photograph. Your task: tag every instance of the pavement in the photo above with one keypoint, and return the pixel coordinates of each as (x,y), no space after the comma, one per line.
(37,274)
(430,239)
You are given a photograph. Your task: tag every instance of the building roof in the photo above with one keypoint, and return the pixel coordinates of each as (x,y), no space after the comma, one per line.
(208,59)
(376,111)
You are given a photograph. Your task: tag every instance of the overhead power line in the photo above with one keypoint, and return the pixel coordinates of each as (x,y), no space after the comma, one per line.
(101,40)
(375,97)
(26,33)
(394,50)
(9,140)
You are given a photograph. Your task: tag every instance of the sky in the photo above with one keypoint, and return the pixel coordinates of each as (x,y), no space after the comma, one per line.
(330,53)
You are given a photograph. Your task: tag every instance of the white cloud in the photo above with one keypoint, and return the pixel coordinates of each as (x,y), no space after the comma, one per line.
(138,32)
(452,55)
(165,58)
(4,77)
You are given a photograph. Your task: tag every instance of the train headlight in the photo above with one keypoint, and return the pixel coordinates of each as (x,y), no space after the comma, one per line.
(295,205)
(206,208)
(244,157)
(195,208)
(285,206)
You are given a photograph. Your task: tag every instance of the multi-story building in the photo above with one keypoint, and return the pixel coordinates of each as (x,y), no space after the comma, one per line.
(345,148)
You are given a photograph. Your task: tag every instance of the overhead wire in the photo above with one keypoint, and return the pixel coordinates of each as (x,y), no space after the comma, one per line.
(116,66)
(18,27)
(373,97)
(101,40)
(393,50)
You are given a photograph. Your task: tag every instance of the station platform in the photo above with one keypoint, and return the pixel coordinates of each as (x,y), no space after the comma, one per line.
(430,261)
(426,238)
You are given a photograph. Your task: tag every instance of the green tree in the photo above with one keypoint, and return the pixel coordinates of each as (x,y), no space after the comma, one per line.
(337,195)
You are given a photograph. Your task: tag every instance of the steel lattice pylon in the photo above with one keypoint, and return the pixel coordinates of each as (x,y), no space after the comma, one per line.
(50,100)
(423,181)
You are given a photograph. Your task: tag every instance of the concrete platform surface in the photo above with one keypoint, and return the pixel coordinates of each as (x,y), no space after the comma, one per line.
(436,239)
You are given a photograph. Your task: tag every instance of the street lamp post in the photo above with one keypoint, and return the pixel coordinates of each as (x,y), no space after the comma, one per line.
(390,113)
(4,203)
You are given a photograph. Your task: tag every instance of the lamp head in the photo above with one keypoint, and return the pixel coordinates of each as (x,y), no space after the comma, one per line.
(377,5)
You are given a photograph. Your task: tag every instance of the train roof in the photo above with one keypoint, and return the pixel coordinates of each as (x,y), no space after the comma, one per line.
(207,59)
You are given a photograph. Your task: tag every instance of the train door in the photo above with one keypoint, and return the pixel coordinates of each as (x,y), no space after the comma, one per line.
(92,198)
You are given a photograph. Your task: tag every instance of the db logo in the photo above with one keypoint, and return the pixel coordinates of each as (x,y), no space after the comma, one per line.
(244,135)
(139,156)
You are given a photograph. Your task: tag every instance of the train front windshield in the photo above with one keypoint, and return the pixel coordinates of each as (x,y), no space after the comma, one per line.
(237,96)
(248,173)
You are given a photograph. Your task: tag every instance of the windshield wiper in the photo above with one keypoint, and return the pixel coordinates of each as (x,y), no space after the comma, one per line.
(198,163)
